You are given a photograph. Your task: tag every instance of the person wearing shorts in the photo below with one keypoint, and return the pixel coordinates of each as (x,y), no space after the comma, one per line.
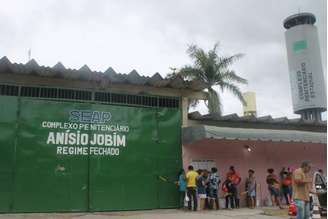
(251,189)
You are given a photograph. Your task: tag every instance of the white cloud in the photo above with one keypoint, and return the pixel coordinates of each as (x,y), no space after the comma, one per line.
(151,36)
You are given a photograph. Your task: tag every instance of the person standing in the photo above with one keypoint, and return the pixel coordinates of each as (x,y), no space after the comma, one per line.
(273,187)
(235,179)
(214,181)
(301,190)
(282,171)
(182,187)
(201,188)
(286,185)
(251,188)
(229,190)
(191,187)
(206,179)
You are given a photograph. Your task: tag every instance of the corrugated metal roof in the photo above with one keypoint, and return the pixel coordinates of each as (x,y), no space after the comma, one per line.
(263,119)
(85,73)
(195,133)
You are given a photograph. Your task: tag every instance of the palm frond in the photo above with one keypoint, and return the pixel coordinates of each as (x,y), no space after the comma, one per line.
(212,69)
(213,54)
(191,73)
(211,65)
(224,62)
(235,91)
(231,76)
(199,57)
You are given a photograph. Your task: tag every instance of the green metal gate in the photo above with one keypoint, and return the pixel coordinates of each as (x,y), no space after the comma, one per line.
(70,156)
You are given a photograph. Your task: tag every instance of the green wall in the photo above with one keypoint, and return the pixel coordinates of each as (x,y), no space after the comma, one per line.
(46,169)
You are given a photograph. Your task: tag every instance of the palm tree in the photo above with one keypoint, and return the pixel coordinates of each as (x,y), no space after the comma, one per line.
(213,70)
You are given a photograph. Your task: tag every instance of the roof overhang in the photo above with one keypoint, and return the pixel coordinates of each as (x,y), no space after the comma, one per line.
(33,74)
(197,133)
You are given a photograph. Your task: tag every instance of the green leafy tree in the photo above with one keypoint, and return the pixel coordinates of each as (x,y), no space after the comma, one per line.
(214,71)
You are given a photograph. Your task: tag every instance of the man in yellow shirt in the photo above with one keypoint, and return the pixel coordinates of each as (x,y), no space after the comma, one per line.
(301,190)
(191,187)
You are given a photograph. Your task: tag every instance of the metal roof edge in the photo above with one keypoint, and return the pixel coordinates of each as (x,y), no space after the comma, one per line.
(86,74)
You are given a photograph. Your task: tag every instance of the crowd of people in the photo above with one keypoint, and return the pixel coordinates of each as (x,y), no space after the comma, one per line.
(201,188)
(281,186)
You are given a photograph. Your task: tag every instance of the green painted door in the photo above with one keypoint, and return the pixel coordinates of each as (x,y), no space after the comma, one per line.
(169,162)
(66,156)
(127,181)
(131,180)
(8,119)
(44,180)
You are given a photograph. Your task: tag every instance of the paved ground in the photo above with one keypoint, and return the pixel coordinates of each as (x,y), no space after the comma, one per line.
(154,214)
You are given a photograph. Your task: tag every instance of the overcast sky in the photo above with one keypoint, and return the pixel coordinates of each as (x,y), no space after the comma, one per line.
(151,36)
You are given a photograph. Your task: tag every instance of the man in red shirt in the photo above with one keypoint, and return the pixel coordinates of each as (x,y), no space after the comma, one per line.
(235,178)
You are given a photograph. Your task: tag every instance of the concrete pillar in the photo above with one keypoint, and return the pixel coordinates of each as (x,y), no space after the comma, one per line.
(184,106)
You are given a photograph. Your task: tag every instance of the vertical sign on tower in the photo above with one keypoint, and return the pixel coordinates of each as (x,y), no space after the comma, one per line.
(305,67)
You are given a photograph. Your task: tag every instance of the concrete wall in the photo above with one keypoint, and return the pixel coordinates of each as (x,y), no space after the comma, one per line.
(264,155)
